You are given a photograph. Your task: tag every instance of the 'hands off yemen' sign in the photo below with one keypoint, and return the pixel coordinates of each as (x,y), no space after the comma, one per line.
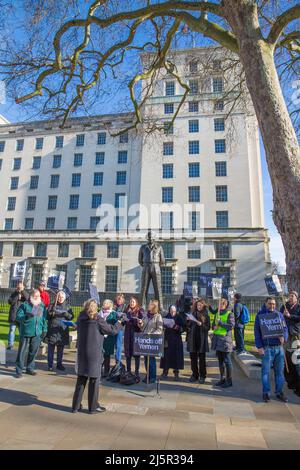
(19,270)
(216,286)
(148,345)
(270,325)
(273,285)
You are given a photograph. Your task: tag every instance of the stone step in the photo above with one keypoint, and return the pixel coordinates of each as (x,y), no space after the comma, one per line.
(249,364)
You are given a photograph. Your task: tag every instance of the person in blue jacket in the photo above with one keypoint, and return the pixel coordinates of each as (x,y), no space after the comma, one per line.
(271,350)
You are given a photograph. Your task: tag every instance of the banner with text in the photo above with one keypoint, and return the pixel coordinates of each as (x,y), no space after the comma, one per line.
(148,344)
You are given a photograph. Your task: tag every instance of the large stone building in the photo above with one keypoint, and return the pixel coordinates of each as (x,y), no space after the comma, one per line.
(56,184)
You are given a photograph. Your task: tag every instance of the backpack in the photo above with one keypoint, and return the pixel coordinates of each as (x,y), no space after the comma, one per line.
(245,315)
(115,372)
(127,378)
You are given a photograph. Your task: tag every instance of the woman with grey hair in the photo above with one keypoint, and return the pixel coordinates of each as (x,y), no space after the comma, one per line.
(58,331)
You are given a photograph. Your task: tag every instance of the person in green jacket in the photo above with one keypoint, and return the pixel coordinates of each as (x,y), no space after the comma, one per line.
(31,318)
(223,325)
(111,317)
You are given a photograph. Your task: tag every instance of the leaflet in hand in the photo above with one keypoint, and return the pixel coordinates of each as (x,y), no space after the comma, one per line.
(191,317)
(169,322)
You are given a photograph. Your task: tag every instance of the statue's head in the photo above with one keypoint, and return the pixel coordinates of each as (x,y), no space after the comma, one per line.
(150,237)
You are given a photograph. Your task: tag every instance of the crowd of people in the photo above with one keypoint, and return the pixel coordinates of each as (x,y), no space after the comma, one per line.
(108,331)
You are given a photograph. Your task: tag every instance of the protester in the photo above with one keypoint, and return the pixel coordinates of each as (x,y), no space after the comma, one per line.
(134,313)
(173,350)
(223,325)
(31,317)
(152,324)
(291,311)
(239,326)
(45,297)
(271,350)
(17,298)
(197,340)
(111,317)
(91,330)
(119,308)
(58,332)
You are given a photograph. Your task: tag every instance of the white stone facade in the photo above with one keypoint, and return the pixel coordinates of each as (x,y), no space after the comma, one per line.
(244,255)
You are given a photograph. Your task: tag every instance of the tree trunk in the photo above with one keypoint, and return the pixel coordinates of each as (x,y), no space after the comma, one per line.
(278,134)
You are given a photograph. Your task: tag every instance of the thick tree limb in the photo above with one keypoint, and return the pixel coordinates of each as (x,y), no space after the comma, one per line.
(281,22)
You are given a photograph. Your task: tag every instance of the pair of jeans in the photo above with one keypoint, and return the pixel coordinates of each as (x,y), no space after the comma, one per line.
(239,333)
(272,356)
(11,334)
(28,346)
(201,369)
(137,360)
(119,343)
(152,367)
(60,352)
(225,364)
(93,392)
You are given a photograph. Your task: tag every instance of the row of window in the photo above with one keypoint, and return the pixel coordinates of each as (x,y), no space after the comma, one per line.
(194,147)
(194,194)
(222,250)
(193,106)
(80,141)
(121,177)
(78,160)
(166,222)
(193,126)
(217,86)
(193,170)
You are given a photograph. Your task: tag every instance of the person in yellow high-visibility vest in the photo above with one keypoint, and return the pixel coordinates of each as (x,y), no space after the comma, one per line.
(223,325)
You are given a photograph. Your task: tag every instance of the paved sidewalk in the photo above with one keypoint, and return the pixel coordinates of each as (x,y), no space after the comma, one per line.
(35,414)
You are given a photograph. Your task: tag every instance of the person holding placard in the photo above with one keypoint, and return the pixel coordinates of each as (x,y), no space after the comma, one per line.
(173,347)
(91,331)
(222,343)
(31,317)
(270,333)
(58,332)
(152,324)
(133,314)
(17,298)
(197,340)
(291,312)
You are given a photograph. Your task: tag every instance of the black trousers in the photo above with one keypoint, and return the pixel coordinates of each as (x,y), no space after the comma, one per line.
(225,364)
(93,392)
(198,364)
(292,376)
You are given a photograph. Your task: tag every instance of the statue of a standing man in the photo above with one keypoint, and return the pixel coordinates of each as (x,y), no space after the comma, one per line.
(151,258)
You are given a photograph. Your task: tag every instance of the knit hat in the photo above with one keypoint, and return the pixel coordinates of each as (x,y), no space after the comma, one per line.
(294,292)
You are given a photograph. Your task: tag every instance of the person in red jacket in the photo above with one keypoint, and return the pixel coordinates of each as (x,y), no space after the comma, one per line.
(44,294)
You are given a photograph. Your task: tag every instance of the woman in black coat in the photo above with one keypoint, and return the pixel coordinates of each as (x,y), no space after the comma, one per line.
(197,340)
(134,313)
(91,330)
(58,332)
(173,354)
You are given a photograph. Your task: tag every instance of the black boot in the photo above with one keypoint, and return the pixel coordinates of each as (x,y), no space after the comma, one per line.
(106,366)
(221,382)
(227,383)
(297,387)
